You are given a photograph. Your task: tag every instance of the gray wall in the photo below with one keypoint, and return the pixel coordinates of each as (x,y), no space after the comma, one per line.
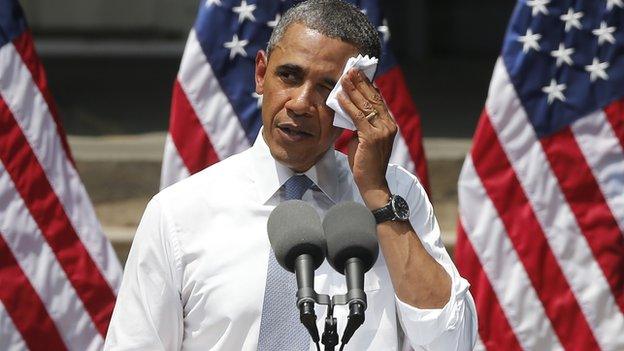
(130,17)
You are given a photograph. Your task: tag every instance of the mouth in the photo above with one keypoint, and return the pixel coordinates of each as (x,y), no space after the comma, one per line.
(293,132)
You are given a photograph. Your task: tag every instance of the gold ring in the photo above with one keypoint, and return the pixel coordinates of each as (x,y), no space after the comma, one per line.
(371,116)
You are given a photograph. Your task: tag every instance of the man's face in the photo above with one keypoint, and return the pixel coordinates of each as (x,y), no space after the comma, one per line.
(295,82)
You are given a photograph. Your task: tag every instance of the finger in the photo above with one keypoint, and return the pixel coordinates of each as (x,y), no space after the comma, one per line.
(370,94)
(358,117)
(366,88)
(355,95)
(363,86)
(386,120)
(388,124)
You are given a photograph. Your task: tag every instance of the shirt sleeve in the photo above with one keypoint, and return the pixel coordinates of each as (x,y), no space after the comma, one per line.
(148,312)
(453,327)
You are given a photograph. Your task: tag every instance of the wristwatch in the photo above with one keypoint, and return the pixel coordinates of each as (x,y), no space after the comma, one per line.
(396,209)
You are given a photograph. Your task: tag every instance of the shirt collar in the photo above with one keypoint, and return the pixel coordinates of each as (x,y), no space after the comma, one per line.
(269,175)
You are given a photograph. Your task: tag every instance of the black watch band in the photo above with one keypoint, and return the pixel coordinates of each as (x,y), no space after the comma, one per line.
(383,214)
(396,209)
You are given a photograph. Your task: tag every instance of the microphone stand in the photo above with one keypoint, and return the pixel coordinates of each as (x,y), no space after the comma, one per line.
(355,319)
(330,332)
(355,298)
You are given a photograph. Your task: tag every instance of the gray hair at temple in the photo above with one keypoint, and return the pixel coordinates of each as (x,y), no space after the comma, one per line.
(334,19)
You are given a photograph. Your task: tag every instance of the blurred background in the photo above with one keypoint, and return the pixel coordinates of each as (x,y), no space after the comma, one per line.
(111,65)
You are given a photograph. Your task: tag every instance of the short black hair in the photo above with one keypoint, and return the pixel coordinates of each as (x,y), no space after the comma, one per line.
(334,19)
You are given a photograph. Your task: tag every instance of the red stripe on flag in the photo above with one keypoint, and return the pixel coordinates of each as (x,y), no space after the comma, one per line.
(24,306)
(46,209)
(394,90)
(25,47)
(525,232)
(342,144)
(188,134)
(494,328)
(615,115)
(589,207)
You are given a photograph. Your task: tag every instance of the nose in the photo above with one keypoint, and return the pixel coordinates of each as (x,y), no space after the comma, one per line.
(301,101)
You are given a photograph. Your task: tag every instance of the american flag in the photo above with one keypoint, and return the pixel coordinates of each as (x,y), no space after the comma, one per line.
(215,111)
(58,272)
(541,194)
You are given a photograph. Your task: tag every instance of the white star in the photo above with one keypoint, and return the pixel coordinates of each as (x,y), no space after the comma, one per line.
(538,6)
(237,47)
(530,41)
(384,30)
(563,55)
(597,70)
(604,33)
(258,97)
(571,19)
(611,3)
(554,91)
(213,2)
(363,11)
(245,11)
(274,22)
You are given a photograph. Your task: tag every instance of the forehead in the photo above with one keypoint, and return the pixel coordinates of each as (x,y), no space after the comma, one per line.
(311,50)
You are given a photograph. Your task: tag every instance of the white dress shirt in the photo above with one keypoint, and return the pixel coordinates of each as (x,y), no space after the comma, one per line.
(196,273)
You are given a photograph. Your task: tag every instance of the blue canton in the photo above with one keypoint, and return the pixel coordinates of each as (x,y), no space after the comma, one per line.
(231,32)
(565,58)
(12,21)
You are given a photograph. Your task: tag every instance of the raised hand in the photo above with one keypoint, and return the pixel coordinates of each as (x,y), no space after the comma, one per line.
(370,149)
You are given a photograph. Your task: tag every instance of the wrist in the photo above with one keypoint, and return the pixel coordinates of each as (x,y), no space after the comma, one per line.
(376,198)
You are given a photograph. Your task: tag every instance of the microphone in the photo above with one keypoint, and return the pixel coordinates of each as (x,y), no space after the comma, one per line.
(352,249)
(296,236)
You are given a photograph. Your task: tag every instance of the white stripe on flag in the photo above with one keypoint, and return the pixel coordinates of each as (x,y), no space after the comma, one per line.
(605,156)
(173,168)
(401,156)
(31,112)
(479,344)
(501,264)
(11,339)
(541,187)
(45,274)
(211,105)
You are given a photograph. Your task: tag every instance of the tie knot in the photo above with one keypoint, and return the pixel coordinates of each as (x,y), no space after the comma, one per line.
(296,185)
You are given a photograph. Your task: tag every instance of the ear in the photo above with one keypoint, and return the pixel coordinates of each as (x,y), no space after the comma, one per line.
(261,68)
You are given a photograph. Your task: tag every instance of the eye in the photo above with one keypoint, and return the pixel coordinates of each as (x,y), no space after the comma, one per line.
(324,90)
(288,76)
(327,84)
(327,87)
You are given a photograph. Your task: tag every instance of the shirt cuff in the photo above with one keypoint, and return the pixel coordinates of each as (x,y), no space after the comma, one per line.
(423,326)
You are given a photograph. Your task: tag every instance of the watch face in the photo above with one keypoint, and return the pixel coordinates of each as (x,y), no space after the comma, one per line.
(400,207)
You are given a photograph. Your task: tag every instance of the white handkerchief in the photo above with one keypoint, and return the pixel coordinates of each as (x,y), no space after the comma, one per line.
(367,65)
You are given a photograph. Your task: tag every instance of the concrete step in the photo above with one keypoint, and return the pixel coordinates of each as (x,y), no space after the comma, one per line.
(121,173)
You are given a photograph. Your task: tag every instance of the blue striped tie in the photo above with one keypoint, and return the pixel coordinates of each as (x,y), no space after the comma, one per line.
(280,328)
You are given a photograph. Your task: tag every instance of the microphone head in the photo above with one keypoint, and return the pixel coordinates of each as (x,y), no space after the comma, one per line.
(350,231)
(294,229)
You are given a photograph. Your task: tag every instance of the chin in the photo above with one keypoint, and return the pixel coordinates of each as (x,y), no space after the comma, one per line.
(294,160)
(298,165)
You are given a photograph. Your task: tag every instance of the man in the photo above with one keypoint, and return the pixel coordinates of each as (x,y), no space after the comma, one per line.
(201,274)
